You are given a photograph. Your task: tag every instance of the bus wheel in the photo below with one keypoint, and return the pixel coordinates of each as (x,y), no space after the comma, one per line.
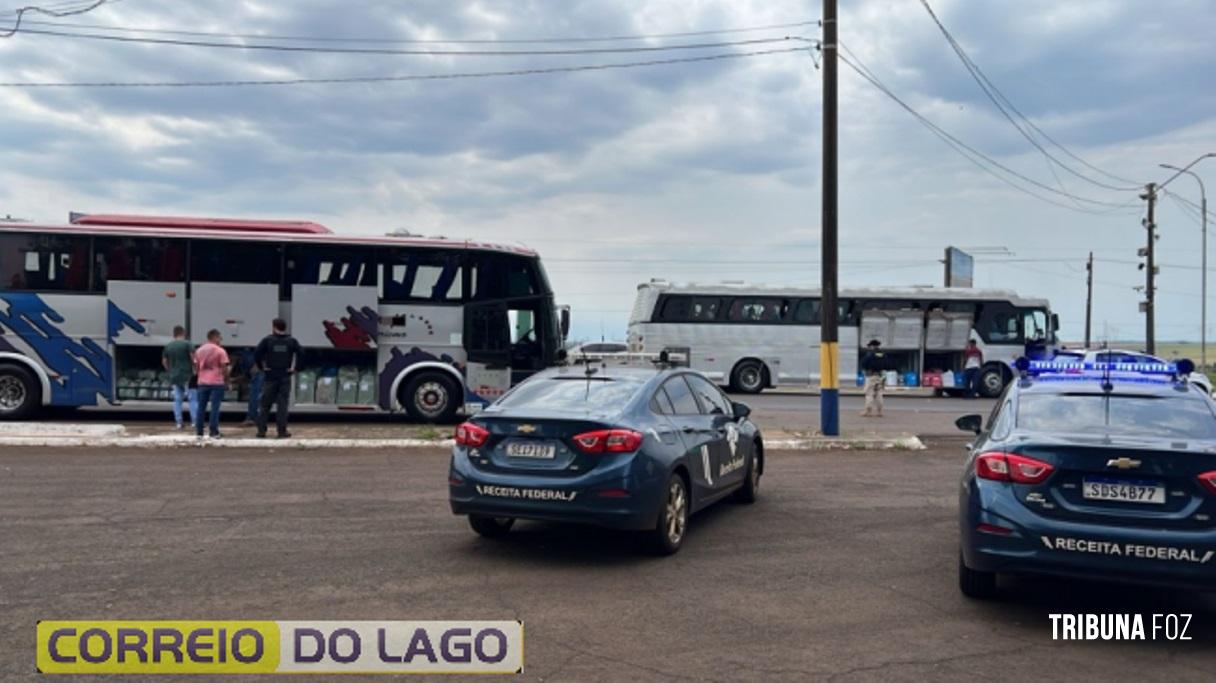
(19,392)
(430,397)
(992,382)
(748,377)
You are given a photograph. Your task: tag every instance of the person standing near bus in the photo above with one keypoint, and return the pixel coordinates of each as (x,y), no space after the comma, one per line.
(973,358)
(249,367)
(178,360)
(211,362)
(873,364)
(277,356)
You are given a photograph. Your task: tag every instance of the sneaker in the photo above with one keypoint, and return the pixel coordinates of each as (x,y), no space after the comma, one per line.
(217,435)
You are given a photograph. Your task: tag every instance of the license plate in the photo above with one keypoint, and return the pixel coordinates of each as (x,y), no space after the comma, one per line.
(523,449)
(1123,491)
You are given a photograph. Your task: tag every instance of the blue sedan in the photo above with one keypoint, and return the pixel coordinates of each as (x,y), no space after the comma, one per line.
(627,448)
(1104,472)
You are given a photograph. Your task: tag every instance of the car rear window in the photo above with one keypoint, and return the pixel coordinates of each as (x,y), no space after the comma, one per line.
(572,393)
(1183,416)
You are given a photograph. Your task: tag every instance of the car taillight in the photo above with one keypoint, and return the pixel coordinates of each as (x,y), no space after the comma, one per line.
(608,441)
(1208,479)
(1012,467)
(469,434)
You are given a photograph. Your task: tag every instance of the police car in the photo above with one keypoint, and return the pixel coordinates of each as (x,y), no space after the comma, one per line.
(1099,470)
(623,447)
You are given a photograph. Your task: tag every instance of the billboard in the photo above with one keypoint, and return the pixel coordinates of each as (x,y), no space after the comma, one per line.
(960,268)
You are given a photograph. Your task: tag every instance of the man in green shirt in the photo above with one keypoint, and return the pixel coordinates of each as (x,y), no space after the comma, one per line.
(178,359)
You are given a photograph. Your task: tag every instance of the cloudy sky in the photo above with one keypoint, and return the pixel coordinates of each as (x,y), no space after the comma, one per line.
(690,171)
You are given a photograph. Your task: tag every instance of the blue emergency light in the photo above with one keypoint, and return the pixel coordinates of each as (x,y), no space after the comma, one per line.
(1071,369)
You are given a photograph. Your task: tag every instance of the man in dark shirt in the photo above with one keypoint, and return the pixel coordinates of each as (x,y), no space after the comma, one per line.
(873,363)
(276,356)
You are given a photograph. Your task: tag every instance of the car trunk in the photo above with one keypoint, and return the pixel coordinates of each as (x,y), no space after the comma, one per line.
(542,446)
(1124,482)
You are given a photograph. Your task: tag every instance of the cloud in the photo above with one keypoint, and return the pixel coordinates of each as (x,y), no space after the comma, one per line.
(715,161)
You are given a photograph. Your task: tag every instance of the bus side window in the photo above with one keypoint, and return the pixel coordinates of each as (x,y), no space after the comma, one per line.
(44,263)
(998,323)
(319,264)
(807,312)
(143,259)
(422,275)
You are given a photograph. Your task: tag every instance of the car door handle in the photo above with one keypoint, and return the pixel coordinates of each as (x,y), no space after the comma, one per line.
(690,430)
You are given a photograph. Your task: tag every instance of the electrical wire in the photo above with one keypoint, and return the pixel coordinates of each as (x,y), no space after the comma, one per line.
(49,11)
(392,51)
(993,93)
(975,156)
(425,41)
(394,79)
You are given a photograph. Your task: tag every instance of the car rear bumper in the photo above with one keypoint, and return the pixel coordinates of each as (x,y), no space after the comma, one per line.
(558,499)
(1040,545)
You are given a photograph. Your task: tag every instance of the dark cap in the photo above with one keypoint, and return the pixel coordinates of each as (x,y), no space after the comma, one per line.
(874,343)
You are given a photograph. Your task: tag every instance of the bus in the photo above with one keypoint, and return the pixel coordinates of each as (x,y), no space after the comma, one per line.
(427,326)
(749,338)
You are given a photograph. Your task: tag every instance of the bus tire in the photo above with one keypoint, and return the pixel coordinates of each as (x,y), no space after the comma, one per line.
(748,377)
(20,393)
(991,381)
(430,396)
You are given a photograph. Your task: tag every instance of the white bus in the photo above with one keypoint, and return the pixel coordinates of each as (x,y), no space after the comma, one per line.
(426,326)
(752,337)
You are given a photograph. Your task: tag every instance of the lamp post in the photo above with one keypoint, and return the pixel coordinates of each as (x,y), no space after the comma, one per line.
(1203,213)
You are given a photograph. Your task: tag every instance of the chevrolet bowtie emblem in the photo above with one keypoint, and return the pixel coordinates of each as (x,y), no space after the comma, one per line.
(1123,463)
(528,429)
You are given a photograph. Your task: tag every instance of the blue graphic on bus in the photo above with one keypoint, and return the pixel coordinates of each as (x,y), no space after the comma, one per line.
(84,370)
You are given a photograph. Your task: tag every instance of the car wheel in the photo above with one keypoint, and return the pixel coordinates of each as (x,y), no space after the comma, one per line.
(751,484)
(20,393)
(974,583)
(668,534)
(491,527)
(992,382)
(431,397)
(748,377)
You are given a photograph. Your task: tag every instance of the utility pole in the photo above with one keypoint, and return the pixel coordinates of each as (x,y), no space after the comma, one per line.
(1089,295)
(829,351)
(1150,342)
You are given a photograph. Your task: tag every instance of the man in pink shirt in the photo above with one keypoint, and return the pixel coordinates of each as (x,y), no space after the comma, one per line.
(211,364)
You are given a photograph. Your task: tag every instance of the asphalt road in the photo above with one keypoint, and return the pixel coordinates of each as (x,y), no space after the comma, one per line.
(844,569)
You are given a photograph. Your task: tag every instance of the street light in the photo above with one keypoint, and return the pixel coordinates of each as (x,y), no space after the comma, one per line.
(1203,211)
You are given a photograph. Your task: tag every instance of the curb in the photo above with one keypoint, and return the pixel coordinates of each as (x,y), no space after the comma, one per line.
(60,429)
(906,443)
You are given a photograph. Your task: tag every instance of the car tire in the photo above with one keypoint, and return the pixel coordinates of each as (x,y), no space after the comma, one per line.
(974,583)
(750,490)
(991,382)
(491,527)
(748,377)
(672,525)
(20,393)
(431,397)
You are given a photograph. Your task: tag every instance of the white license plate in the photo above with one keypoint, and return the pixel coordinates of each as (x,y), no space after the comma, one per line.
(523,449)
(1123,491)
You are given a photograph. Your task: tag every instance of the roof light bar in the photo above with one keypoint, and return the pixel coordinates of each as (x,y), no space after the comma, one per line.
(1079,369)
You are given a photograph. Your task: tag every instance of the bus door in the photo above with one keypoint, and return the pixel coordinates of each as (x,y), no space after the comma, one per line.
(509,335)
(241,312)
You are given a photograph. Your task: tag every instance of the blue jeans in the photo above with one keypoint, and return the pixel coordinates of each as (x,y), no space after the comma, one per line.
(255,396)
(209,399)
(969,379)
(182,392)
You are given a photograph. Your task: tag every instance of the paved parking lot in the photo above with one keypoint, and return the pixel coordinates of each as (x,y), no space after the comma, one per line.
(845,568)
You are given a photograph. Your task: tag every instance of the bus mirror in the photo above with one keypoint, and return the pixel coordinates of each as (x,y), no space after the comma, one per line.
(564,316)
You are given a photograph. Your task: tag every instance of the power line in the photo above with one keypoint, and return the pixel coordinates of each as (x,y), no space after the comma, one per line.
(427,41)
(395,79)
(975,156)
(391,51)
(993,93)
(50,11)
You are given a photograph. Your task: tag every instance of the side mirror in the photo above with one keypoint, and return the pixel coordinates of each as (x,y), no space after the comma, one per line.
(564,317)
(970,423)
(741,410)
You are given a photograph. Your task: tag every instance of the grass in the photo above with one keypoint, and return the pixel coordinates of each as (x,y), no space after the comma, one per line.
(430,433)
